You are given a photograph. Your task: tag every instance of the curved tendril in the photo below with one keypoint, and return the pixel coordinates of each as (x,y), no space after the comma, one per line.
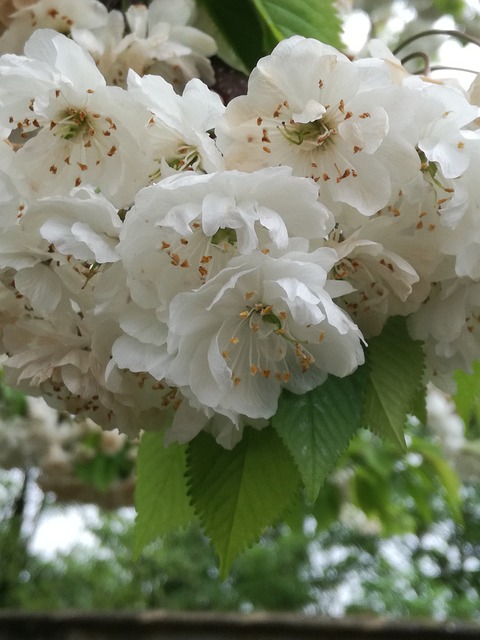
(442,67)
(419,54)
(454,33)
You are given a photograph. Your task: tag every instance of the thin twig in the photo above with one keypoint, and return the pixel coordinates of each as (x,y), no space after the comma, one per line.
(459,35)
(426,61)
(442,67)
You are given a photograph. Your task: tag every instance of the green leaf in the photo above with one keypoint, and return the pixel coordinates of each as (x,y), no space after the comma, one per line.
(101,470)
(419,404)
(252,28)
(12,403)
(161,496)
(317,426)
(239,492)
(467,398)
(396,370)
(240,25)
(326,509)
(434,458)
(310,18)
(453,7)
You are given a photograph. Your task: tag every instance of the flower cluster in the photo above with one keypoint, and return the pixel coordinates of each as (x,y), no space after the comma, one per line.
(159,39)
(165,259)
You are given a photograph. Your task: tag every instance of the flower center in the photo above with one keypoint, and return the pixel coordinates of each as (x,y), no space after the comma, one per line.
(308,135)
(187,158)
(74,122)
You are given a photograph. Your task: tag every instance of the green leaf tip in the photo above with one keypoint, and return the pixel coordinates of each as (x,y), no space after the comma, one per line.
(237,493)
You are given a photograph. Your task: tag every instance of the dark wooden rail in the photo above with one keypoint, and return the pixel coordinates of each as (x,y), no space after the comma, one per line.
(161,625)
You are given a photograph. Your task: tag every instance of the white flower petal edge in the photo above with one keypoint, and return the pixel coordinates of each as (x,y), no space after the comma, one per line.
(336,121)
(260,325)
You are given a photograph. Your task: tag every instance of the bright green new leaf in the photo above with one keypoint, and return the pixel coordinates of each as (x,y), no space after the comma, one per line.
(252,28)
(239,492)
(318,426)
(396,369)
(161,492)
(467,398)
(310,18)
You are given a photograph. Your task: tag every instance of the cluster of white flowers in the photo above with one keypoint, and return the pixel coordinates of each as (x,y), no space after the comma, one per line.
(161,254)
(159,39)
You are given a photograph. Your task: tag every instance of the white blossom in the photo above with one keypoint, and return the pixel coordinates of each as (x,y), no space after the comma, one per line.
(61,15)
(180,126)
(161,41)
(341,123)
(258,326)
(76,129)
